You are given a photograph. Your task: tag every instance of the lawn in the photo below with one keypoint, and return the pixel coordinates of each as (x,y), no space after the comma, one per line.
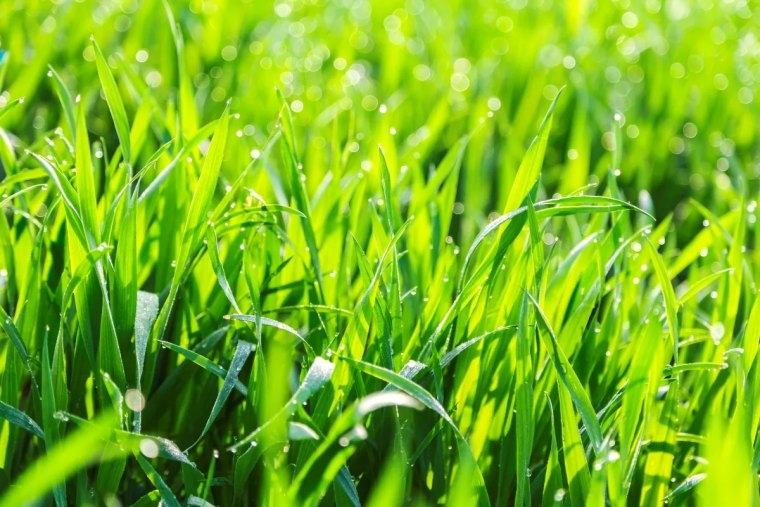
(364,252)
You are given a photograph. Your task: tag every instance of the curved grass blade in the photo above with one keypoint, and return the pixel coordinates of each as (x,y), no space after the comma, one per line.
(242,351)
(167,495)
(317,377)
(18,343)
(318,374)
(204,363)
(20,419)
(569,378)
(428,400)
(329,458)
(266,321)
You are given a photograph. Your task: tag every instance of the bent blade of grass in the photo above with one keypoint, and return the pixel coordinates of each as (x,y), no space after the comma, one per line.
(18,343)
(569,378)
(428,400)
(330,457)
(7,200)
(462,347)
(204,363)
(69,196)
(242,351)
(167,495)
(130,441)
(701,285)
(266,321)
(583,201)
(20,419)
(545,209)
(317,376)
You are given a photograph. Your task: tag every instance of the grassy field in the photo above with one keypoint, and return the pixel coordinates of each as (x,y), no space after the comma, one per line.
(379,252)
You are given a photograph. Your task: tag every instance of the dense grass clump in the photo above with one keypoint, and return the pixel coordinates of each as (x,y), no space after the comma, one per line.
(382,253)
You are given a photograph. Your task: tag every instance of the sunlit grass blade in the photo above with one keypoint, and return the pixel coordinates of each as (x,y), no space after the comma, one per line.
(309,486)
(204,363)
(569,378)
(530,167)
(524,405)
(167,496)
(73,453)
(671,308)
(115,104)
(66,102)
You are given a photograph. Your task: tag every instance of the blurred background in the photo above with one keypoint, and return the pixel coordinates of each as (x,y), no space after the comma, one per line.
(680,77)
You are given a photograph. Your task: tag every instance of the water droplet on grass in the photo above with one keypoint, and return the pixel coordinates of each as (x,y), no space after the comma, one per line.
(134,400)
(717,331)
(149,448)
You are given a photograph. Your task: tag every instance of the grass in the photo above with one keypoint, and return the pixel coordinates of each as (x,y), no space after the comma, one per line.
(379,253)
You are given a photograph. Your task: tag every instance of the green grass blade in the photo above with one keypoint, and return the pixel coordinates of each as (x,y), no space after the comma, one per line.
(242,351)
(20,419)
(115,104)
(569,378)
(61,462)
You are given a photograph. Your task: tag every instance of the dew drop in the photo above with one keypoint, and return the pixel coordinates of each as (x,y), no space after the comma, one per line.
(134,400)
(149,448)
(717,331)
